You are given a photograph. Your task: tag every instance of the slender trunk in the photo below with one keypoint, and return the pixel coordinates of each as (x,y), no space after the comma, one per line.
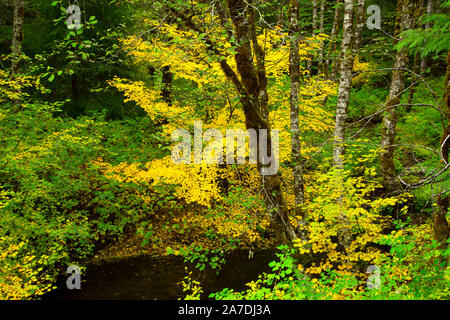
(339,59)
(321,30)
(404,22)
(17,36)
(345,82)
(152,73)
(440,227)
(263,95)
(167,85)
(423,62)
(314,28)
(294,69)
(74,87)
(412,89)
(360,23)
(333,39)
(416,64)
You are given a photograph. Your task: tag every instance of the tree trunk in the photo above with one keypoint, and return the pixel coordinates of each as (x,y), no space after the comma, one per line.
(360,23)
(167,85)
(423,62)
(333,38)
(250,88)
(345,82)
(263,95)
(404,22)
(152,73)
(440,227)
(412,89)
(313,33)
(321,30)
(416,63)
(17,36)
(294,69)
(74,87)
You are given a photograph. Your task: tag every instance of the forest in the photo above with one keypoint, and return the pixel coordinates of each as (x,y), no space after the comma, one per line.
(224,149)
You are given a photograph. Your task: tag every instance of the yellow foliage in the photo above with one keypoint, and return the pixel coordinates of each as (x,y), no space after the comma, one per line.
(20,277)
(323,211)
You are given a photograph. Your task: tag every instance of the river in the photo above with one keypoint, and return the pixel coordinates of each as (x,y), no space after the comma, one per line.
(148,277)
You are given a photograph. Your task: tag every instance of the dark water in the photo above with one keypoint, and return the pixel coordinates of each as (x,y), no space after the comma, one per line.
(147,277)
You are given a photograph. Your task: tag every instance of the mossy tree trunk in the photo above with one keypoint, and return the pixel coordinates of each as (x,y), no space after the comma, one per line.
(440,227)
(294,70)
(388,133)
(252,87)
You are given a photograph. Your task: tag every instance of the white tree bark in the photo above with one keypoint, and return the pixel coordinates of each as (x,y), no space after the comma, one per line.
(345,82)
(423,62)
(17,36)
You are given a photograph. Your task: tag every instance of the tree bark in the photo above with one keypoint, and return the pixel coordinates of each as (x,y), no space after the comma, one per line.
(440,226)
(416,62)
(167,85)
(294,69)
(345,82)
(74,87)
(17,36)
(412,89)
(152,73)
(360,23)
(404,22)
(334,31)
(309,62)
(321,30)
(250,88)
(423,62)
(261,68)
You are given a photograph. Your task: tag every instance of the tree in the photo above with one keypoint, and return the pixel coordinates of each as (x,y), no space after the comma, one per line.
(251,84)
(360,23)
(17,37)
(345,82)
(334,32)
(441,227)
(321,30)
(314,30)
(423,61)
(423,42)
(404,22)
(252,92)
(416,62)
(167,85)
(294,66)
